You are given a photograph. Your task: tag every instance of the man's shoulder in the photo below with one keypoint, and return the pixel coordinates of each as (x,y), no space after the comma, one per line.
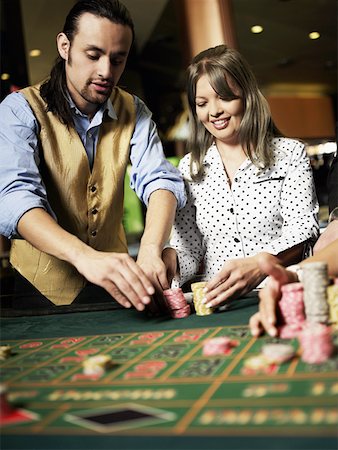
(16,102)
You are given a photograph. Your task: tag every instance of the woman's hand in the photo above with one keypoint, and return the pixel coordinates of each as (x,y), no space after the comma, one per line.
(236,278)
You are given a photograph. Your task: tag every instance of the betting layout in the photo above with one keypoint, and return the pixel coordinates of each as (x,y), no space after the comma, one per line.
(164,382)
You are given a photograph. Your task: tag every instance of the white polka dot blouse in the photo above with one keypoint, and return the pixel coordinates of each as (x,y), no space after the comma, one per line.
(268,210)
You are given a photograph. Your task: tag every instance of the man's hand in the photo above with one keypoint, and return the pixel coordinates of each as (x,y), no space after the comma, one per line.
(159,219)
(119,275)
(329,235)
(116,272)
(265,319)
(149,259)
(169,258)
(237,277)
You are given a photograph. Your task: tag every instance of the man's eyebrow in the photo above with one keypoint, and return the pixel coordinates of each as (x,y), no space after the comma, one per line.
(93,48)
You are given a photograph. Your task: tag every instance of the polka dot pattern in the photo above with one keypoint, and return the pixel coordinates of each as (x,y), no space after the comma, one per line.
(269,210)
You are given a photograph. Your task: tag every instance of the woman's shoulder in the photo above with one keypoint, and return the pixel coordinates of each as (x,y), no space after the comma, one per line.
(184,165)
(288,148)
(287,144)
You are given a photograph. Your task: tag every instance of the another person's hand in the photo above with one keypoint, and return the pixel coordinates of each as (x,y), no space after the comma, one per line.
(265,319)
(329,235)
(237,277)
(119,275)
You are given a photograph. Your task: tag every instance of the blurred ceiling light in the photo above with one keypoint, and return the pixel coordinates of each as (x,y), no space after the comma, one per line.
(5,76)
(314,35)
(320,149)
(34,53)
(256,29)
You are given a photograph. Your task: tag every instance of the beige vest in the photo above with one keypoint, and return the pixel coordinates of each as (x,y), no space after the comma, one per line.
(88,204)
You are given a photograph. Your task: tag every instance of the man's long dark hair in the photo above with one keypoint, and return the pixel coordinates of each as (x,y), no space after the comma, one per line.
(54,90)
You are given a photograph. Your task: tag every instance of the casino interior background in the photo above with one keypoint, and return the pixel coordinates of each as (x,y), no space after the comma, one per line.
(296,68)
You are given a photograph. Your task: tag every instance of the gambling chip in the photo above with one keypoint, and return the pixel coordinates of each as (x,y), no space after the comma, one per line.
(315,281)
(97,365)
(198,295)
(5,352)
(256,362)
(216,346)
(177,303)
(291,310)
(316,343)
(332,299)
(278,353)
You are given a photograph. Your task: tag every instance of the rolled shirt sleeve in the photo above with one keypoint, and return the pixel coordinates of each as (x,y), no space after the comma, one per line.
(21,186)
(150,170)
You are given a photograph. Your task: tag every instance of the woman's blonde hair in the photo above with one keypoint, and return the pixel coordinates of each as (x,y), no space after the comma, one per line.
(223,65)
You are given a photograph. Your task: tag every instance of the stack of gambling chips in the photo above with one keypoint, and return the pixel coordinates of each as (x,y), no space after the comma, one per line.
(291,309)
(216,346)
(5,352)
(176,303)
(198,295)
(97,365)
(316,343)
(315,281)
(332,299)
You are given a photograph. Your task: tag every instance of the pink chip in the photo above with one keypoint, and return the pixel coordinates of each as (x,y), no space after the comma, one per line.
(216,346)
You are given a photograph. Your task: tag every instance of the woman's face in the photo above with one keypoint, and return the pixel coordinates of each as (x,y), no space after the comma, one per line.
(220,116)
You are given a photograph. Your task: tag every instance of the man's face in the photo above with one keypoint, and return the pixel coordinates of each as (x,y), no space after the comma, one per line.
(95,60)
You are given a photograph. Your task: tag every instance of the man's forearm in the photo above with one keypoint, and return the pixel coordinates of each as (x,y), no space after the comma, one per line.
(159,219)
(329,255)
(40,229)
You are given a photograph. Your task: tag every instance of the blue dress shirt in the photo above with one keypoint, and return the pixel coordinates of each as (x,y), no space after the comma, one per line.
(21,186)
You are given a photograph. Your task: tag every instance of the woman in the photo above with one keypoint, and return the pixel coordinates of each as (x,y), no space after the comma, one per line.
(250,190)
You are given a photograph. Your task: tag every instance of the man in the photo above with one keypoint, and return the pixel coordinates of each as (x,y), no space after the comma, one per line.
(65,146)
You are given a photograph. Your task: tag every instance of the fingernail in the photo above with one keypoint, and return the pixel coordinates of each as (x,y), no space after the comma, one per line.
(209,305)
(272,332)
(204,301)
(146,300)
(151,290)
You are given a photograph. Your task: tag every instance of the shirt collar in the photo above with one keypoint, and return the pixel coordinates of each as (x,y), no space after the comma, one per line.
(212,152)
(107,106)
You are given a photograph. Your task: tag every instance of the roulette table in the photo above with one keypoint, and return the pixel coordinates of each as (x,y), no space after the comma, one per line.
(161,392)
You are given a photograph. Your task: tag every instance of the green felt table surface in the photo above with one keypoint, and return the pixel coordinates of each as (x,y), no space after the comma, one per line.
(119,320)
(124,321)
